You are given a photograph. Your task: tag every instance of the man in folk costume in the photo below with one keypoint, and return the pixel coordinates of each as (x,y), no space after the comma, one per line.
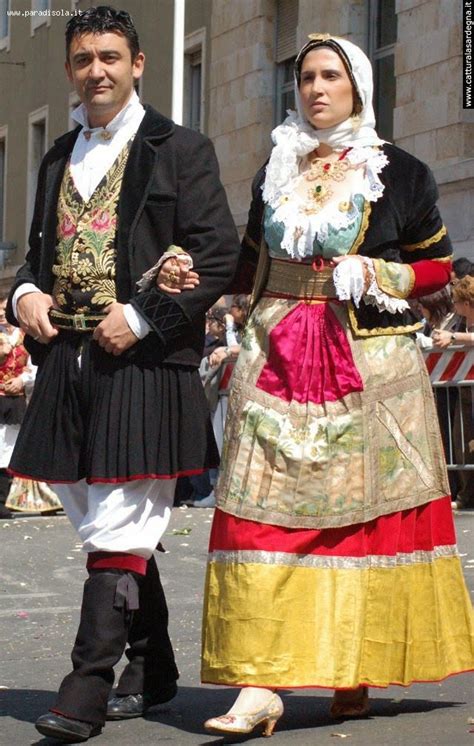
(118,411)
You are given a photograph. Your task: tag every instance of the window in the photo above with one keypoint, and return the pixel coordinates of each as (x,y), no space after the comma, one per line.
(3,180)
(193,98)
(193,91)
(40,14)
(383,37)
(285,53)
(37,141)
(4,24)
(285,89)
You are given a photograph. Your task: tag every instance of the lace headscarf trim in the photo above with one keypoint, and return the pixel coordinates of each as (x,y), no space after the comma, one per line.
(296,137)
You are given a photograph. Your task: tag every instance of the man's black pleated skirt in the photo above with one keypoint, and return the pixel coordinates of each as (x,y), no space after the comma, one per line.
(107,419)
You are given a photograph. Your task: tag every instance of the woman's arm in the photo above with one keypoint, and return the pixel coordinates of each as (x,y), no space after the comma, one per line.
(443,338)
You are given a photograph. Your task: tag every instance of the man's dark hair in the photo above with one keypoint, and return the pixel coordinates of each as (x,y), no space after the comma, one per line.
(462,267)
(103,20)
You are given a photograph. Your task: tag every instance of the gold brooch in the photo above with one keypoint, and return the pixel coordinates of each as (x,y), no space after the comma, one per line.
(345,206)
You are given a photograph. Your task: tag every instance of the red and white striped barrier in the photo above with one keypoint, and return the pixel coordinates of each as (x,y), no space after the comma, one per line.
(450,366)
(224,383)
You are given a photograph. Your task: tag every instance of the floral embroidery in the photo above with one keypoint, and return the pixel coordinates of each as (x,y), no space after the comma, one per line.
(85,251)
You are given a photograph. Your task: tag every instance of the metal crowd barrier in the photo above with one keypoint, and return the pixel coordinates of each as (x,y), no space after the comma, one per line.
(451,373)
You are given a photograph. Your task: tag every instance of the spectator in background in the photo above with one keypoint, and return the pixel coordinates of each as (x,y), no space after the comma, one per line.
(438,312)
(461,268)
(463,301)
(235,320)
(463,428)
(202,495)
(13,375)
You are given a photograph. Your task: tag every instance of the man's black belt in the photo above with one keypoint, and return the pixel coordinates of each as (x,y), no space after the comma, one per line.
(78,322)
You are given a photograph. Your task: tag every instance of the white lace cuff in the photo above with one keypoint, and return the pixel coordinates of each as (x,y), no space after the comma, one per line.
(376,297)
(148,278)
(349,282)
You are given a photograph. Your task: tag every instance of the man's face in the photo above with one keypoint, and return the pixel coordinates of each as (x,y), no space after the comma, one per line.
(101,69)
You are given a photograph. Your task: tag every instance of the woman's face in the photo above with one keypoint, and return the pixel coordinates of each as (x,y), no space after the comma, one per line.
(326,92)
(215,327)
(463,308)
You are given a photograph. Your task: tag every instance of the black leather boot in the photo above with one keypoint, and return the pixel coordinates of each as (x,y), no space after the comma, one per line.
(108,600)
(151,674)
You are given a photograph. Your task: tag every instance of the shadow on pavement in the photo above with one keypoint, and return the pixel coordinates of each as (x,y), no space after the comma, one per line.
(193,705)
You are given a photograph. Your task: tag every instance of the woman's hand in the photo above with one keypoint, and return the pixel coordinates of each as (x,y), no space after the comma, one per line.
(174,277)
(14,386)
(355,257)
(217,357)
(442,338)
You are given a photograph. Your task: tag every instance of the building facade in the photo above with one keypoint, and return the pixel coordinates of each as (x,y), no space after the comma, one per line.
(238,57)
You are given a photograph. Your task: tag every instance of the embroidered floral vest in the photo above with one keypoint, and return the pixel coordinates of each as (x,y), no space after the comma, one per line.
(84,266)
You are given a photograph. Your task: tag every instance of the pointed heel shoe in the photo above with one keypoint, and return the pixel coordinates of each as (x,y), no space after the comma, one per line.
(246,722)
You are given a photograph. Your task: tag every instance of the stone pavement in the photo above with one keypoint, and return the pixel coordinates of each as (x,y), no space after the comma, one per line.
(41,582)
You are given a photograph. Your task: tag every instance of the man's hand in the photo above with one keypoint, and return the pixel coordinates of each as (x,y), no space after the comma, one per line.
(14,387)
(113,333)
(32,313)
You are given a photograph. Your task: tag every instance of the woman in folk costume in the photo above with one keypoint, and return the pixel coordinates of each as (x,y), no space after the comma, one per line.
(333,558)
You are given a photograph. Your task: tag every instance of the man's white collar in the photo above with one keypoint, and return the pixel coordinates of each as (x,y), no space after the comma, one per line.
(125,115)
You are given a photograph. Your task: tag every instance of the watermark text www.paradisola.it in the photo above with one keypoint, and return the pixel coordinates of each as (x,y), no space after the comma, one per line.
(46,13)
(467,34)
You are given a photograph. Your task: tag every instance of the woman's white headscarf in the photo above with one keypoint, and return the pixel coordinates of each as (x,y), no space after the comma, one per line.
(296,137)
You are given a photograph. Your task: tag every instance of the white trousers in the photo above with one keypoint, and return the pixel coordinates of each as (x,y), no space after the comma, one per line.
(127,517)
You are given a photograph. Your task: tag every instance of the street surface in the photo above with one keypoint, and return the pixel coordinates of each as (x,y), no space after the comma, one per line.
(40,590)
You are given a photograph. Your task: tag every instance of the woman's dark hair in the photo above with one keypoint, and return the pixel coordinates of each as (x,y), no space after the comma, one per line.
(438,305)
(241,301)
(462,267)
(103,20)
(217,313)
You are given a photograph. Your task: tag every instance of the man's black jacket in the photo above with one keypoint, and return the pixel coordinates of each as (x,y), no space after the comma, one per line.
(171,194)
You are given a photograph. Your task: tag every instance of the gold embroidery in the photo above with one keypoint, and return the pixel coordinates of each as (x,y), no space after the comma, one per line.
(443,259)
(85,253)
(366,210)
(412,281)
(427,242)
(386,282)
(321,37)
(378,330)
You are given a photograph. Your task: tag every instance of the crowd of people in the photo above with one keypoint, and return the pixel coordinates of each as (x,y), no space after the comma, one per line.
(332,500)
(224,328)
(449,320)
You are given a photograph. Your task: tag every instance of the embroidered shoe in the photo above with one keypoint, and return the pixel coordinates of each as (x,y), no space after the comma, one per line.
(246,722)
